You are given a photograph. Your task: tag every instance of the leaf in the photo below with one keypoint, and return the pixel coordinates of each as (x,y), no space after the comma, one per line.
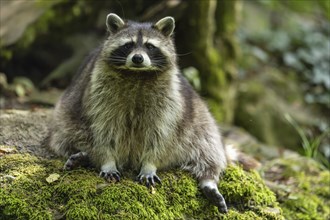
(152,190)
(7,150)
(52,177)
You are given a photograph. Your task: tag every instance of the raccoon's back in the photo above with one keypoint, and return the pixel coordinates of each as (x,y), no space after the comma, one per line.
(72,98)
(65,131)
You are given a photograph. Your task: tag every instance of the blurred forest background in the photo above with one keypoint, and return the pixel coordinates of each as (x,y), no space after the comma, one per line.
(262,65)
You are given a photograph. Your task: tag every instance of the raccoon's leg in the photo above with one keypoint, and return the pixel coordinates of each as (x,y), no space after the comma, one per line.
(207,167)
(148,175)
(103,158)
(68,133)
(210,189)
(75,160)
(109,172)
(148,169)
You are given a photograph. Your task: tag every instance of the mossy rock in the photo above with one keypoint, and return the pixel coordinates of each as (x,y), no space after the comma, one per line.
(302,187)
(28,193)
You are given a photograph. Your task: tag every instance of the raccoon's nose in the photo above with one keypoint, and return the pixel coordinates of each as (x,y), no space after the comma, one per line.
(137,59)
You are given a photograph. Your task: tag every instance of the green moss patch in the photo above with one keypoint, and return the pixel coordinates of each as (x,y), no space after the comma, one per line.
(248,192)
(26,193)
(302,187)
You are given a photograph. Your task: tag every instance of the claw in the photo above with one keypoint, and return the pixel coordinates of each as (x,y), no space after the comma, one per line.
(140,178)
(149,179)
(110,176)
(116,175)
(157,179)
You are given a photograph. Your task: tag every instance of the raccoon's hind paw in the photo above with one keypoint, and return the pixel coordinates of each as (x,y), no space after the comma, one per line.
(75,160)
(149,179)
(110,176)
(214,196)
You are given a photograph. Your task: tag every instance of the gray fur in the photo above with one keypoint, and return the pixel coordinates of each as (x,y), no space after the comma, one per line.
(114,23)
(166,25)
(147,120)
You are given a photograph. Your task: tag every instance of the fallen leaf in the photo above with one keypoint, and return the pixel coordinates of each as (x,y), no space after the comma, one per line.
(52,177)
(8,178)
(7,149)
(102,185)
(152,190)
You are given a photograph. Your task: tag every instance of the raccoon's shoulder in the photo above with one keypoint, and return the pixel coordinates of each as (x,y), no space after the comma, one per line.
(186,90)
(189,96)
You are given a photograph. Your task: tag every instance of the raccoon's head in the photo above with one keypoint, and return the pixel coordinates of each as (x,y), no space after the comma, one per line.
(139,47)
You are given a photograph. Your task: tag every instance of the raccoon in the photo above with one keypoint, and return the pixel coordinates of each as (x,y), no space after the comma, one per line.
(129,106)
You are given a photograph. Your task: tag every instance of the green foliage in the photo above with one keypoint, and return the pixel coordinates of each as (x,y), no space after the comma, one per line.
(81,194)
(305,50)
(310,145)
(321,7)
(192,76)
(262,102)
(61,19)
(292,37)
(297,41)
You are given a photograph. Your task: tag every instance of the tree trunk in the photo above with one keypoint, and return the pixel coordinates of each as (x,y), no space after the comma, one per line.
(226,42)
(209,34)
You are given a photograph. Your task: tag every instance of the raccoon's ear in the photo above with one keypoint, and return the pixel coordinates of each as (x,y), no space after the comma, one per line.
(114,23)
(165,25)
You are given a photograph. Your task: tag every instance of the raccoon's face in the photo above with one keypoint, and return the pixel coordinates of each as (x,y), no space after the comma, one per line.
(139,47)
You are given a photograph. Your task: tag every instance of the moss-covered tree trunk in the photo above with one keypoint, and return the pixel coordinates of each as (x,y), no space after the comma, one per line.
(210,28)
(226,15)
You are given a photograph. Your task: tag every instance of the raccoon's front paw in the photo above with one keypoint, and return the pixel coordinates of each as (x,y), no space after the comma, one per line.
(214,196)
(148,175)
(110,176)
(149,179)
(75,160)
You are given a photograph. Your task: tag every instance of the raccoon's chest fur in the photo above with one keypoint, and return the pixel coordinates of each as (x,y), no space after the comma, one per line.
(129,115)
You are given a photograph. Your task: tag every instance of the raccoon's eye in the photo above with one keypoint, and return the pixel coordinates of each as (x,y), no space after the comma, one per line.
(149,46)
(128,45)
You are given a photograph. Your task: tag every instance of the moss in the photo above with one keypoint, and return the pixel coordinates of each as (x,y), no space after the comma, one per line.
(81,194)
(199,36)
(306,194)
(309,199)
(26,197)
(255,194)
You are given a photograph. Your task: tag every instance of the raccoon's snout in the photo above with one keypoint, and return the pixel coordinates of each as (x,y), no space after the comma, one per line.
(137,59)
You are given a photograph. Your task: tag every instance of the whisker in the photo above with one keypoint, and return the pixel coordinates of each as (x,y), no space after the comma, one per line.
(183,54)
(114,59)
